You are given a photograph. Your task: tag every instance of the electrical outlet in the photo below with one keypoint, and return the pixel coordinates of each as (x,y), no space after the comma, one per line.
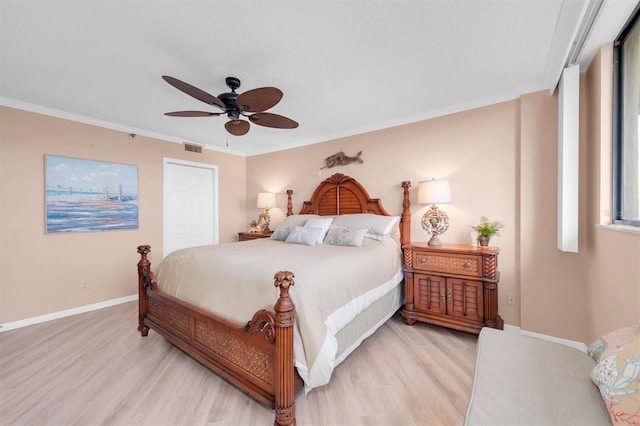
(85,286)
(511,299)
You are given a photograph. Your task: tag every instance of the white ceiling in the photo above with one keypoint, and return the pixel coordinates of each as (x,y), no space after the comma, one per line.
(345,66)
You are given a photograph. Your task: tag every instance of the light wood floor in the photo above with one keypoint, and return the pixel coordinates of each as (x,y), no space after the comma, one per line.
(95,368)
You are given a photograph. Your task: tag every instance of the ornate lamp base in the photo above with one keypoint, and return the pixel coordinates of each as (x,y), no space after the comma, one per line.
(434,241)
(264,220)
(435,222)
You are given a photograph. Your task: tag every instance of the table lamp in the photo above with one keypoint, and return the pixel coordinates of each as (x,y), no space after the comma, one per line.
(434,221)
(266,200)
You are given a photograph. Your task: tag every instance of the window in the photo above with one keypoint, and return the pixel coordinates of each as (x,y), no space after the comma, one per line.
(626,121)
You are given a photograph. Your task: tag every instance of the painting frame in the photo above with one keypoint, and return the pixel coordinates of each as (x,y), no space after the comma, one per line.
(85,195)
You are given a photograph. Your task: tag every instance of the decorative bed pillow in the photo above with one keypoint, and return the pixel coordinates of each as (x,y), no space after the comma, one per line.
(617,375)
(304,235)
(282,231)
(377,226)
(338,236)
(322,223)
(612,341)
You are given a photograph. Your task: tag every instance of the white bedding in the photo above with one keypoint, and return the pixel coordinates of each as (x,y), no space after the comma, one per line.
(333,284)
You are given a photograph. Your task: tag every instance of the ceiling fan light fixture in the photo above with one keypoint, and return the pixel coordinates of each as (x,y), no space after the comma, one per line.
(237,127)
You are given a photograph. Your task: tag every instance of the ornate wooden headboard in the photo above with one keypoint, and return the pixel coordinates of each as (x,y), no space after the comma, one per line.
(342,194)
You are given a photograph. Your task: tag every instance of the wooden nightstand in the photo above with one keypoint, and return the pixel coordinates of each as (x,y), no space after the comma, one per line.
(246,236)
(454,286)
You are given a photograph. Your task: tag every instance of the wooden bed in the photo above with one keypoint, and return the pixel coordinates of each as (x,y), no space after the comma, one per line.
(257,357)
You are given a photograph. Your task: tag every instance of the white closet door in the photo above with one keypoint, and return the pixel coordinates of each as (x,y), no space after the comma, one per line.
(190,205)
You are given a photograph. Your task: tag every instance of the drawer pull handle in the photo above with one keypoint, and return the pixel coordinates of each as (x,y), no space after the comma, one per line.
(467,265)
(423,260)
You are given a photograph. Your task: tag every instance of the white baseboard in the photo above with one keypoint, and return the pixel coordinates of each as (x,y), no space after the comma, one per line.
(572,343)
(512,328)
(66,313)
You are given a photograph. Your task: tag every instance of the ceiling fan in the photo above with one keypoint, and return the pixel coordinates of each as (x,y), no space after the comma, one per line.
(236,105)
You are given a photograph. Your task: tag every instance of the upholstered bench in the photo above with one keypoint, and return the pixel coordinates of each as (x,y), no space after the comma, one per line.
(521,380)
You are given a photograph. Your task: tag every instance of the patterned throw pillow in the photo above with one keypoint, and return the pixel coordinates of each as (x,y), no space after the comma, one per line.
(345,237)
(282,232)
(617,375)
(612,341)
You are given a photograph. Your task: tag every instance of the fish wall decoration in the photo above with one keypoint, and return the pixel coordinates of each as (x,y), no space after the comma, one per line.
(341,159)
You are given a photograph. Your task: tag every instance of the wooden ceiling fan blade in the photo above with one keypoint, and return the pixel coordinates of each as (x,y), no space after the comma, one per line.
(192,114)
(190,90)
(258,100)
(273,120)
(237,127)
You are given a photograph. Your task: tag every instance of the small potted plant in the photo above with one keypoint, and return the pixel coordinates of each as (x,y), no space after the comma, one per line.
(254,227)
(487,229)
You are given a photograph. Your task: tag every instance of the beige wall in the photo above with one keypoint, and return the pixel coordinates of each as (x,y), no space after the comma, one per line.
(553,290)
(477,151)
(43,273)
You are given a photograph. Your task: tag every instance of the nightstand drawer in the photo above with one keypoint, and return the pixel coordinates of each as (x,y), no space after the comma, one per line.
(451,263)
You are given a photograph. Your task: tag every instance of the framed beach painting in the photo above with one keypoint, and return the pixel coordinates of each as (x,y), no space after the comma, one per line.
(88,195)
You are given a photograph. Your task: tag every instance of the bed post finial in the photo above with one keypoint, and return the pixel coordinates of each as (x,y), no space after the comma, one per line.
(284,280)
(289,205)
(144,279)
(284,387)
(405,220)
(144,250)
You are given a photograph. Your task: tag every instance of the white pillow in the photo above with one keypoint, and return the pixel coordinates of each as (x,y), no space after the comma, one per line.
(321,222)
(345,236)
(377,226)
(299,219)
(304,235)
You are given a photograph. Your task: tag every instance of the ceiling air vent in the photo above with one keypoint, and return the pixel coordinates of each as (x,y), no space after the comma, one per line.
(193,148)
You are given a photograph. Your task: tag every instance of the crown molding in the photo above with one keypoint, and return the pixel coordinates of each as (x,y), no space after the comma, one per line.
(52,112)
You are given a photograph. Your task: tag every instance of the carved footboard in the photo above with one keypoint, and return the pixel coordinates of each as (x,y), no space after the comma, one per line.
(257,357)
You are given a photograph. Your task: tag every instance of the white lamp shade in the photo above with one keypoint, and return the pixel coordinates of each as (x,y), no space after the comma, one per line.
(434,191)
(266,200)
